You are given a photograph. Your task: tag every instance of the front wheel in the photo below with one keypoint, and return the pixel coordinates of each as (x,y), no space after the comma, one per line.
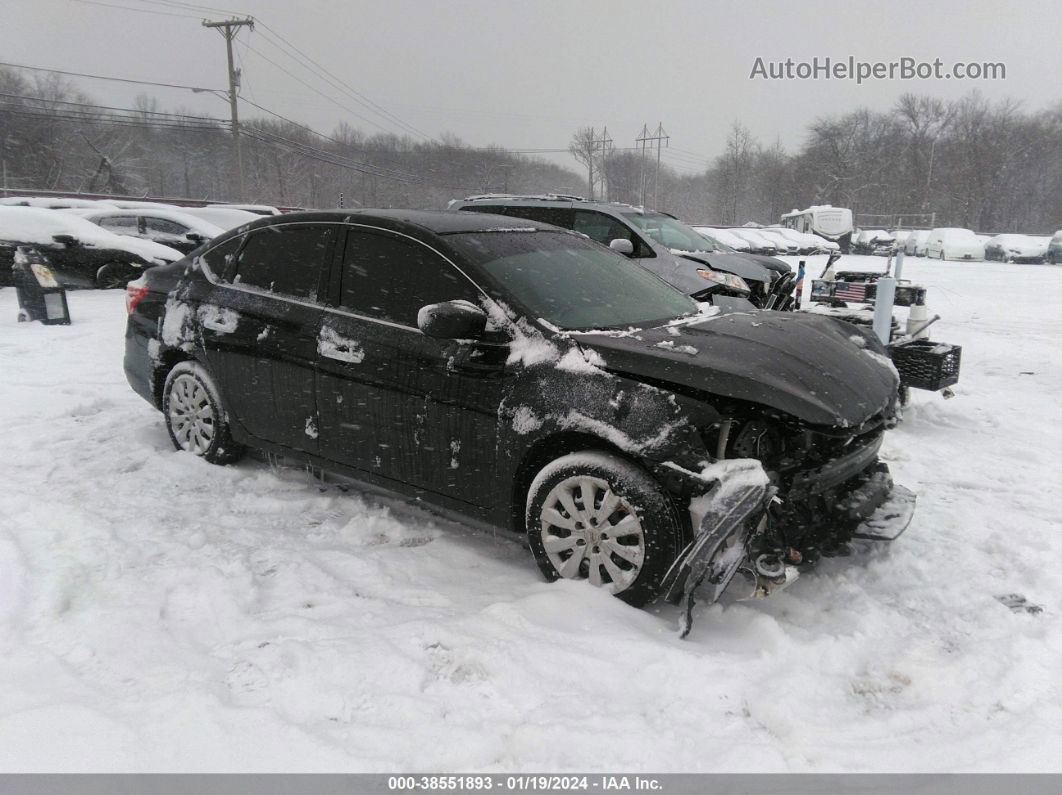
(195,418)
(598,517)
(114,276)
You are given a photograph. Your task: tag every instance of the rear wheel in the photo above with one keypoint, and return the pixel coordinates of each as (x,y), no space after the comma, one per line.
(195,418)
(598,517)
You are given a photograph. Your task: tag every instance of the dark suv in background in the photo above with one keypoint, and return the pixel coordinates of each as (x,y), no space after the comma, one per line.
(699,266)
(524,377)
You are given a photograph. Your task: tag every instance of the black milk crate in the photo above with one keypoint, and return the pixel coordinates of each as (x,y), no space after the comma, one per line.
(926,365)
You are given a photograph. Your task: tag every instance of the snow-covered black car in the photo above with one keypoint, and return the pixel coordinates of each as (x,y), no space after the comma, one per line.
(80,253)
(524,376)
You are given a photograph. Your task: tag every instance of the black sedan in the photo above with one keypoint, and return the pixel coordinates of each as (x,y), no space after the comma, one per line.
(526,377)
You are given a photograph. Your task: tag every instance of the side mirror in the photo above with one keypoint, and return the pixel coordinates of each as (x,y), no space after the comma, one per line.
(452,320)
(622,246)
(195,237)
(66,240)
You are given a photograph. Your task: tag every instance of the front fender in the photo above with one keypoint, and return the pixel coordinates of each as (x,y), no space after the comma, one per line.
(652,425)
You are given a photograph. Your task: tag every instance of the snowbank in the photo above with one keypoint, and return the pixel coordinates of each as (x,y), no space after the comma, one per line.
(158,613)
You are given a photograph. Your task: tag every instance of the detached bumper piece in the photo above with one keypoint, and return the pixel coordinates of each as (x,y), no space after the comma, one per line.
(720,548)
(890,518)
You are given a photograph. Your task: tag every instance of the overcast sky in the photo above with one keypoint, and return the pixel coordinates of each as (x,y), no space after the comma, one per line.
(525,75)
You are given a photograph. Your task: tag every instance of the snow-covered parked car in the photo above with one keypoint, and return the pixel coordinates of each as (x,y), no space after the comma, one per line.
(80,253)
(954,243)
(174,228)
(1014,248)
(915,243)
(806,244)
(1054,248)
(53,202)
(874,241)
(225,217)
(760,244)
(724,236)
(527,377)
(257,209)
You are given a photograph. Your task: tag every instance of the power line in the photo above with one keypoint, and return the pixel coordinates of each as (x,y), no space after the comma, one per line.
(173,116)
(135,10)
(316,91)
(118,121)
(357,96)
(277,40)
(114,79)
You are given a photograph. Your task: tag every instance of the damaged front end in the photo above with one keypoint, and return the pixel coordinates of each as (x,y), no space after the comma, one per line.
(793,496)
(729,524)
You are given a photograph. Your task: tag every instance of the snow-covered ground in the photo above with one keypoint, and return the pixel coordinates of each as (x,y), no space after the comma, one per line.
(158,613)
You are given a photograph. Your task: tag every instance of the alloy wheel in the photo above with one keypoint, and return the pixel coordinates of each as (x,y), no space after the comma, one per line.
(590,532)
(191,414)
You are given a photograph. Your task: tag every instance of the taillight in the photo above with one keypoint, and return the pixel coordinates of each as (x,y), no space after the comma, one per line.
(134,294)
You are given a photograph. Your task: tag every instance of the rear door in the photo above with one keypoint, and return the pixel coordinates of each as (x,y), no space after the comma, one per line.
(392,401)
(260,329)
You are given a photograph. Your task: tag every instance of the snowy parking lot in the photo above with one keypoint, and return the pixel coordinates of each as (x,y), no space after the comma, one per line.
(158,613)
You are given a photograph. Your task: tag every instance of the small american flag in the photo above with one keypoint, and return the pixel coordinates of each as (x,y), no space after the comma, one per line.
(848,291)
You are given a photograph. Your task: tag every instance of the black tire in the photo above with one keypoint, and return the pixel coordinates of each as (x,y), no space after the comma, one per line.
(195,417)
(115,276)
(655,546)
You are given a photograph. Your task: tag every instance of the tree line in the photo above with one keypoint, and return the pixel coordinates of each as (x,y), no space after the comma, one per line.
(988,166)
(54,137)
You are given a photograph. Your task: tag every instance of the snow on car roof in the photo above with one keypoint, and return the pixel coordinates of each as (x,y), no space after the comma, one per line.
(38,226)
(53,202)
(225,217)
(193,222)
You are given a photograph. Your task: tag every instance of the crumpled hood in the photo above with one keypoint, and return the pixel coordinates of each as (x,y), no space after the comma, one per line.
(818,369)
(738,264)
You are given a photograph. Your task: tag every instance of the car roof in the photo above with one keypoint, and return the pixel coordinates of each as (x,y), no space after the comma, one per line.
(439,222)
(549,200)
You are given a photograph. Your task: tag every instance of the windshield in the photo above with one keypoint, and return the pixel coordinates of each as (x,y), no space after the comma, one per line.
(571,282)
(670,233)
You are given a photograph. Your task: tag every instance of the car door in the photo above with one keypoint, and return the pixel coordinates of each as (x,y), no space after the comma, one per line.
(260,327)
(392,401)
(128,225)
(167,232)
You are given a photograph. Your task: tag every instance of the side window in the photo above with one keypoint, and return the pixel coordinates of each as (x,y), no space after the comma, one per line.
(222,258)
(285,259)
(390,277)
(164,227)
(490,209)
(604,229)
(558,216)
(122,224)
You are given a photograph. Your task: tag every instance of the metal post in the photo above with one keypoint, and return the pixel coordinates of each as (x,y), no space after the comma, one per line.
(228,30)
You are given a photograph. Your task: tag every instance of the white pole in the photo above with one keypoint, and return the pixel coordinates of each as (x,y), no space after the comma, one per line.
(886,295)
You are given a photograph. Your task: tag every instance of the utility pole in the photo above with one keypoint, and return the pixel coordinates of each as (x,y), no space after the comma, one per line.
(228,30)
(644,138)
(605,143)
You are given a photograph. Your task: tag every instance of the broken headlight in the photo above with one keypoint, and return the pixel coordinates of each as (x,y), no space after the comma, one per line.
(728,280)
